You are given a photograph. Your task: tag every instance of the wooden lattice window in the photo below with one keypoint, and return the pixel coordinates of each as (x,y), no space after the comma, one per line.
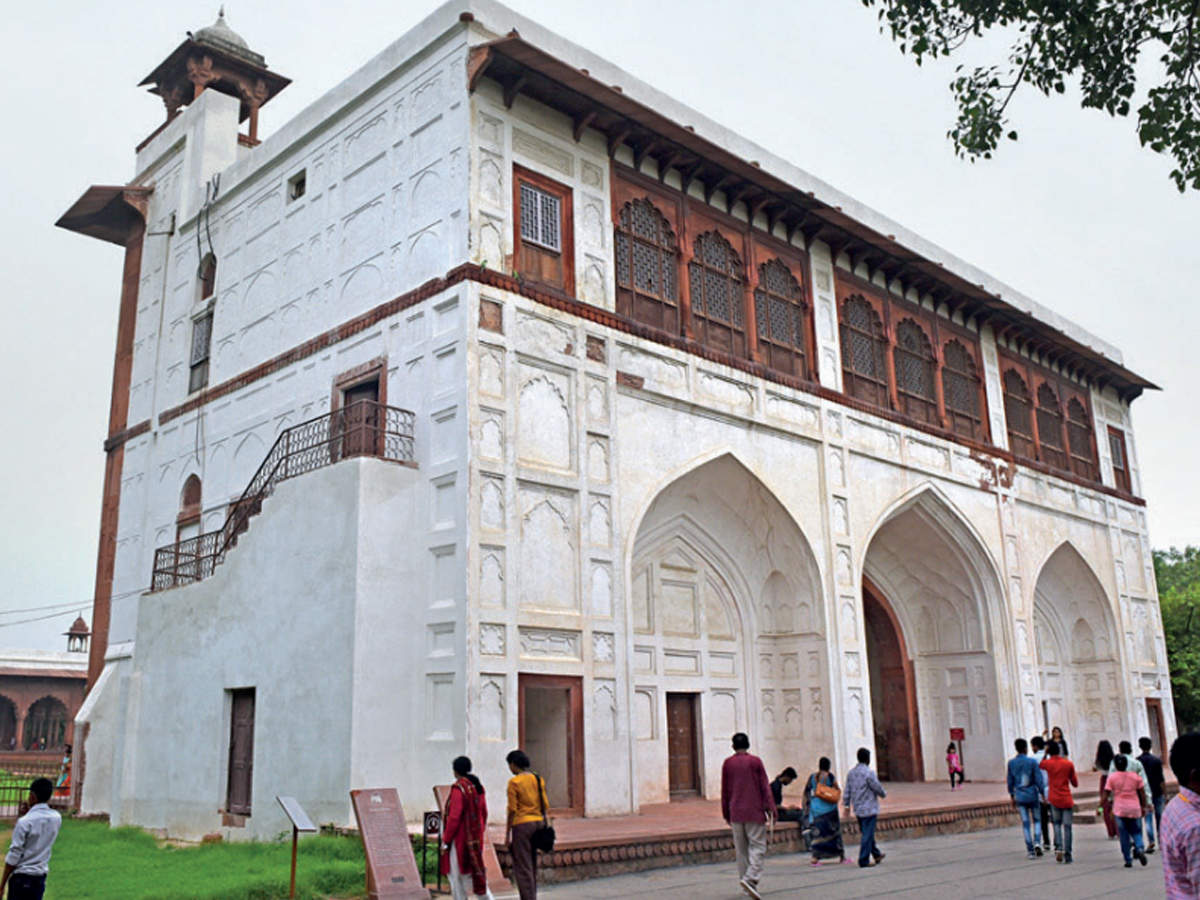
(916,368)
(780,314)
(864,363)
(1079,440)
(716,280)
(543,247)
(1018,410)
(1050,427)
(1120,459)
(201,349)
(960,390)
(647,266)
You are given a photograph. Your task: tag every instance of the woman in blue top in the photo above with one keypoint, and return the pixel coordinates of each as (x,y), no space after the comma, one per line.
(826,827)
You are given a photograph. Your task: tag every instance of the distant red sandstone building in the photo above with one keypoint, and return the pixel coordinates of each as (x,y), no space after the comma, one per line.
(40,694)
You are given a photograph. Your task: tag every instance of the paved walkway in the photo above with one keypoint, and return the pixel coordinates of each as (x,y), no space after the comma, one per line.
(979,864)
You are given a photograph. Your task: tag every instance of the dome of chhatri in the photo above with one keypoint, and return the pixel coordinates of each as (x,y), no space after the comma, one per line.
(220,36)
(79,627)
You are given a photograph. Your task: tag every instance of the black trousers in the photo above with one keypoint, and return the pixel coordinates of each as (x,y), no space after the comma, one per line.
(26,887)
(1045,824)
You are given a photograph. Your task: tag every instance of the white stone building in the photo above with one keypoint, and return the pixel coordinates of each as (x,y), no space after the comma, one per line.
(699,444)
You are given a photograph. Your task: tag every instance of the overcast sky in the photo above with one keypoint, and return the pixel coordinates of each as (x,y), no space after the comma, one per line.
(1075,215)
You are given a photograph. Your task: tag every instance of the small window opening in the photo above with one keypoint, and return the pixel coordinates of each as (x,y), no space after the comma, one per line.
(201,346)
(297,184)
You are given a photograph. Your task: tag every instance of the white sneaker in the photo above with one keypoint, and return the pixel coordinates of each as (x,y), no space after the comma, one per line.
(750,888)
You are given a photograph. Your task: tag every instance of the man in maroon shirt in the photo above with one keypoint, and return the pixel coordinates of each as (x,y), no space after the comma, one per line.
(747,806)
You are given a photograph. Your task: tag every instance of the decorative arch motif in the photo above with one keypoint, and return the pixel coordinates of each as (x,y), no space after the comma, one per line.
(781,319)
(46,725)
(864,364)
(716,279)
(647,266)
(916,386)
(1018,411)
(961,386)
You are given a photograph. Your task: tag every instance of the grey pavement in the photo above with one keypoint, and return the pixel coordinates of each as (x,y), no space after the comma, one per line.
(980,864)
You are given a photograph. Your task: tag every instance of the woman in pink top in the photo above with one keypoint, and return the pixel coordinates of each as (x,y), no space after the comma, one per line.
(954,764)
(1127,792)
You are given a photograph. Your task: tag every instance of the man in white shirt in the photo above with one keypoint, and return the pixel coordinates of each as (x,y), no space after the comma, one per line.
(28,859)
(1038,743)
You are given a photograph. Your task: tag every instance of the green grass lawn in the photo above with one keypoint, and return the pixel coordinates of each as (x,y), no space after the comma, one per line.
(94,862)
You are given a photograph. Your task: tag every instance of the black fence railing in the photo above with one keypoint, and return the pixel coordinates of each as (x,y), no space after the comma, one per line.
(362,428)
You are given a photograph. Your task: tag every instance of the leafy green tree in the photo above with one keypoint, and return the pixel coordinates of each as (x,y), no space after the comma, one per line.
(1178,575)
(1097,41)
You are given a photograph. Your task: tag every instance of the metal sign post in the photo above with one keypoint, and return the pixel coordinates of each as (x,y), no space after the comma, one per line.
(300,822)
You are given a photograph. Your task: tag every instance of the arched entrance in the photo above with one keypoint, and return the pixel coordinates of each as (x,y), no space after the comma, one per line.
(8,724)
(728,633)
(893,692)
(46,725)
(929,591)
(1078,673)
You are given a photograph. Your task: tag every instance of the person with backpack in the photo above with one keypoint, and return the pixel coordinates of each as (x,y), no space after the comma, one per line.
(1025,789)
(527,804)
(821,796)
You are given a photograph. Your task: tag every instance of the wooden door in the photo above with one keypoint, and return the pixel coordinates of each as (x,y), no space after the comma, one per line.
(1158,729)
(550,726)
(683,773)
(241,752)
(360,421)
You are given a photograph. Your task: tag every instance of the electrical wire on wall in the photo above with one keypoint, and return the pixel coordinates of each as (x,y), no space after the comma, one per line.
(211,189)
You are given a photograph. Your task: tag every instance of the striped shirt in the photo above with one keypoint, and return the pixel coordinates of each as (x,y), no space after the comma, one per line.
(1180,841)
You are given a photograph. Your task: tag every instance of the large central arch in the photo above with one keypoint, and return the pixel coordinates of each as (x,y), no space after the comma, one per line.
(931,573)
(728,633)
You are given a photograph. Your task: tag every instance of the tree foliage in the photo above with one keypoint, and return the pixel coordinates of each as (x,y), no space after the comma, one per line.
(1178,575)
(1097,41)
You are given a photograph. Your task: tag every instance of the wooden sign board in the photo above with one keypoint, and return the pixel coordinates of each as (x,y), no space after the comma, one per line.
(295,813)
(391,867)
(958,734)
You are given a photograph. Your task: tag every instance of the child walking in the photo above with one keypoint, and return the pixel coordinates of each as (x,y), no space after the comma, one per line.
(954,764)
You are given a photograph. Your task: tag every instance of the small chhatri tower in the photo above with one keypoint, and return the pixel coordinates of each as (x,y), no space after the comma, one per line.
(78,636)
(216,57)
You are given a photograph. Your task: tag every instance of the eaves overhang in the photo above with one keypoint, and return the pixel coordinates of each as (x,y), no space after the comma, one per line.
(107,212)
(521,68)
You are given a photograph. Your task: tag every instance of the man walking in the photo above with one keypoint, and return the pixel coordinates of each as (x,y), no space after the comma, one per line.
(1025,789)
(1060,772)
(1180,831)
(1038,745)
(747,807)
(1155,780)
(28,859)
(863,791)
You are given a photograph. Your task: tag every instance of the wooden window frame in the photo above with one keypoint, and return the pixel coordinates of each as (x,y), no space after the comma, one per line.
(564,193)
(884,382)
(689,217)
(939,331)
(906,399)
(971,373)
(768,347)
(1031,437)
(629,299)
(199,366)
(1060,458)
(1123,476)
(703,324)
(1085,466)
(576,742)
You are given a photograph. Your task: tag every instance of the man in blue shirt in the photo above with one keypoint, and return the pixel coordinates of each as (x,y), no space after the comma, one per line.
(1025,789)
(28,859)
(863,790)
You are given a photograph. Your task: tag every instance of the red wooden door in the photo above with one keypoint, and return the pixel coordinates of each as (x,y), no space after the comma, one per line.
(550,726)
(1158,731)
(682,771)
(241,752)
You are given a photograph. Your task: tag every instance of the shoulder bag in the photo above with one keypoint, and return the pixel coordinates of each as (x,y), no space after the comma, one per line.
(543,836)
(830,793)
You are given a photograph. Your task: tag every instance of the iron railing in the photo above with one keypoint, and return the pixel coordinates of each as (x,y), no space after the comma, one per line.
(362,428)
(15,777)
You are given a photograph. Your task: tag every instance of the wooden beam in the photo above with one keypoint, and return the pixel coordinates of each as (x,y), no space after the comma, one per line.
(616,138)
(734,195)
(640,153)
(757,205)
(667,163)
(477,65)
(711,188)
(692,173)
(513,88)
(582,122)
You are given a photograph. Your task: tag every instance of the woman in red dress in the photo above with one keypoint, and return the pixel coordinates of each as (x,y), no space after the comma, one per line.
(463,833)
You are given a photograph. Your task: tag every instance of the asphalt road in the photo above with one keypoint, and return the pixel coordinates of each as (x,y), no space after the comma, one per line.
(979,864)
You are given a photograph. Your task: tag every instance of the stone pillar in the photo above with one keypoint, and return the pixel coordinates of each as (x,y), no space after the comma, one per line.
(827,365)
